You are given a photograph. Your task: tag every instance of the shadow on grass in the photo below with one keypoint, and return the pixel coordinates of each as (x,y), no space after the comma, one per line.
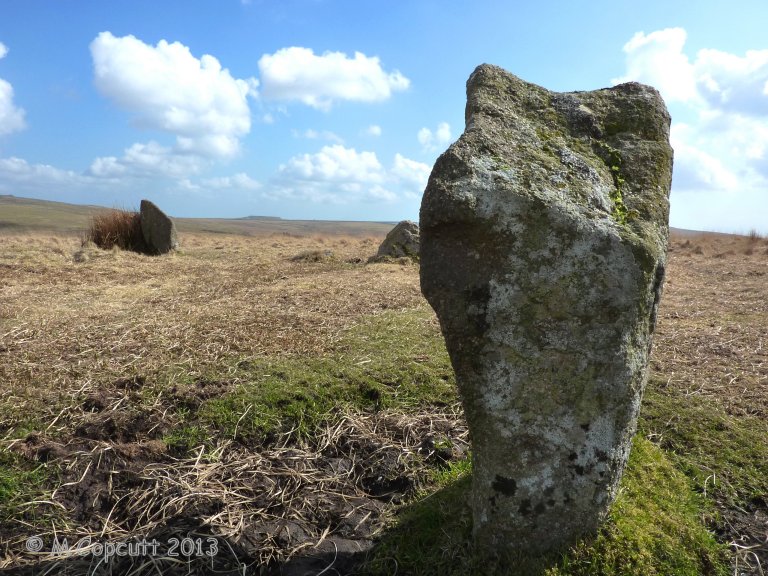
(654,527)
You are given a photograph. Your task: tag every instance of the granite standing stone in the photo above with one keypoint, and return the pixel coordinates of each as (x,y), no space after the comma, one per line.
(543,245)
(157,228)
(402,241)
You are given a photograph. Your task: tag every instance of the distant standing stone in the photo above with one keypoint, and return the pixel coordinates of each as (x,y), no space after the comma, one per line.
(402,241)
(157,228)
(544,236)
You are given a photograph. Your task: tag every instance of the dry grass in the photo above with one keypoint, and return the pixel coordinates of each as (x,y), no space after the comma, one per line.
(80,331)
(76,326)
(274,503)
(712,334)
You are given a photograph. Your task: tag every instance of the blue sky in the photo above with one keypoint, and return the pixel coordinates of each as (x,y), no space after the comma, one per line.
(337,109)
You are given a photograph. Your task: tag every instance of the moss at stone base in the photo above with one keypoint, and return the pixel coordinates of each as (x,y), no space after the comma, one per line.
(654,528)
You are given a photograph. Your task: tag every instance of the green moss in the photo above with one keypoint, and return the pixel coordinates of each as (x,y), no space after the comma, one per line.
(654,528)
(612,158)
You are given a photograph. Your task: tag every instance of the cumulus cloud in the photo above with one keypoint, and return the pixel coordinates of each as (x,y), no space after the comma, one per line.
(146,160)
(298,74)
(17,176)
(240,181)
(658,59)
(11,116)
(411,175)
(733,83)
(713,78)
(433,141)
(724,151)
(166,88)
(341,175)
(337,164)
(373,130)
(695,168)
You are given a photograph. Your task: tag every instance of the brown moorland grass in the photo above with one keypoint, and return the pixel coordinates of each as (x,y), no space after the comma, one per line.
(67,323)
(712,335)
(107,359)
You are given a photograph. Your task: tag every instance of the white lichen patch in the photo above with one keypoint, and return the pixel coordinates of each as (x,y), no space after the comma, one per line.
(543,237)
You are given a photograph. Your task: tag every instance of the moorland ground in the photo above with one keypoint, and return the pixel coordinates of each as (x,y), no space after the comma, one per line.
(277,398)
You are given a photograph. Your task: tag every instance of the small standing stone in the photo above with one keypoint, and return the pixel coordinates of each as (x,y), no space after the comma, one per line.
(544,235)
(157,228)
(402,241)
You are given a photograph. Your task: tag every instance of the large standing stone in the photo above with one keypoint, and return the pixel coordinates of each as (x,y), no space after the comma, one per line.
(157,228)
(402,241)
(543,244)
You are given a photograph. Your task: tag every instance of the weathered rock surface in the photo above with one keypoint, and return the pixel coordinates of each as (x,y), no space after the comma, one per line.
(543,246)
(157,228)
(402,241)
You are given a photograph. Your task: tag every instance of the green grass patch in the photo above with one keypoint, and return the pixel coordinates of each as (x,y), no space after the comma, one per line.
(21,481)
(397,360)
(394,360)
(723,454)
(654,528)
(184,438)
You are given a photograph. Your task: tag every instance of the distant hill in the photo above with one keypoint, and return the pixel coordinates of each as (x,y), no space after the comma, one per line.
(30,215)
(27,214)
(259,218)
(21,215)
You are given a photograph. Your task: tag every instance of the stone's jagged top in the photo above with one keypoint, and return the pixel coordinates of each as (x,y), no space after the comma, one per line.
(489,83)
(543,248)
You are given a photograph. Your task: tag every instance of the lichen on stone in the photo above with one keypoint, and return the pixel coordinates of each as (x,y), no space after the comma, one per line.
(544,231)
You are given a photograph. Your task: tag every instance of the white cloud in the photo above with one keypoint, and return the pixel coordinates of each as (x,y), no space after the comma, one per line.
(240,181)
(412,175)
(169,89)
(723,150)
(11,116)
(433,141)
(373,130)
(733,83)
(19,177)
(146,160)
(298,74)
(335,164)
(657,59)
(311,134)
(695,168)
(342,175)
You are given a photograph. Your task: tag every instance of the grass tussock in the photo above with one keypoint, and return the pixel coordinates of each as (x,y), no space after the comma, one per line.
(313,256)
(116,228)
